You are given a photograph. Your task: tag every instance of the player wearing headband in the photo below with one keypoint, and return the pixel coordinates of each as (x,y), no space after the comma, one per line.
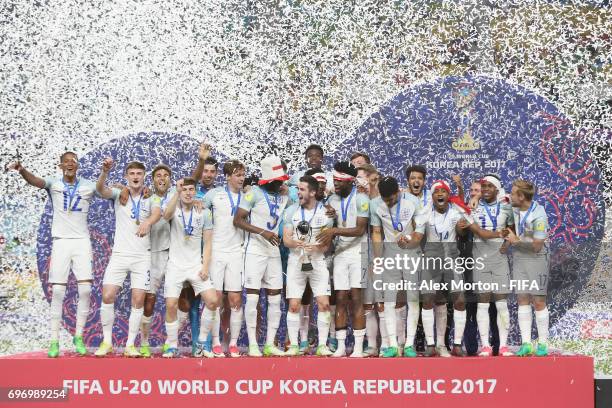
(71,197)
(401,218)
(264,205)
(367,183)
(226,266)
(530,263)
(190,229)
(352,211)
(491,218)
(131,252)
(302,223)
(449,219)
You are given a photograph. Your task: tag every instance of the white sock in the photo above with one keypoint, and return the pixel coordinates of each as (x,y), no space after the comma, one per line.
(207,323)
(412,322)
(359,334)
(391,322)
(459,316)
(371,327)
(427,316)
(216,328)
(400,318)
(145,329)
(57,301)
(134,325)
(332,323)
(304,322)
(82,307)
(503,321)
(235,325)
(293,327)
(172,333)
(441,320)
(525,320)
(250,316)
(542,317)
(323,324)
(107,318)
(182,317)
(341,336)
(382,325)
(482,320)
(274,315)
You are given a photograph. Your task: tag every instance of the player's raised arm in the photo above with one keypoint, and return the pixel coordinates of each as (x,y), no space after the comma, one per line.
(145,227)
(30,178)
(203,154)
(171,206)
(103,190)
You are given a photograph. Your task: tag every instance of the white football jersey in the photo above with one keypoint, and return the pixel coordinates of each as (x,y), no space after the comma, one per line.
(409,209)
(317,220)
(127,220)
(70,206)
(266,211)
(353,206)
(441,227)
(223,204)
(160,232)
(186,229)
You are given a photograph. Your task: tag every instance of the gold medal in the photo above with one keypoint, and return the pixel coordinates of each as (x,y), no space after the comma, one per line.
(344,223)
(137,222)
(186,237)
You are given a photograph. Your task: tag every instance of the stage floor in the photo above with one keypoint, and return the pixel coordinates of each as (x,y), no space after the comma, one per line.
(556,381)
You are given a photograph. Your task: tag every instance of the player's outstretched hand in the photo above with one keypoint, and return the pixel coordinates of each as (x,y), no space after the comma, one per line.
(204,151)
(107,164)
(404,241)
(271,237)
(146,192)
(204,273)
(325,237)
(143,229)
(124,195)
(462,224)
(457,180)
(198,205)
(15,166)
(330,211)
(179,185)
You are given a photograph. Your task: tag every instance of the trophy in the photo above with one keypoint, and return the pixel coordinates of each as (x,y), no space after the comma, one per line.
(304,232)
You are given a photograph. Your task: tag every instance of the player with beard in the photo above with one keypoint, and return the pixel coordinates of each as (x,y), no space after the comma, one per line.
(263,205)
(352,225)
(160,244)
(71,197)
(131,252)
(367,183)
(401,218)
(190,230)
(450,218)
(302,223)
(492,216)
(226,267)
(530,263)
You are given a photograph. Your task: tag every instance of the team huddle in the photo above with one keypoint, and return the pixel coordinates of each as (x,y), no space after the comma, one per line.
(318,235)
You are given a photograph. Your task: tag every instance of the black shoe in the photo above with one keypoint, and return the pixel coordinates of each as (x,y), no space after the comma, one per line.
(430,351)
(457,351)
